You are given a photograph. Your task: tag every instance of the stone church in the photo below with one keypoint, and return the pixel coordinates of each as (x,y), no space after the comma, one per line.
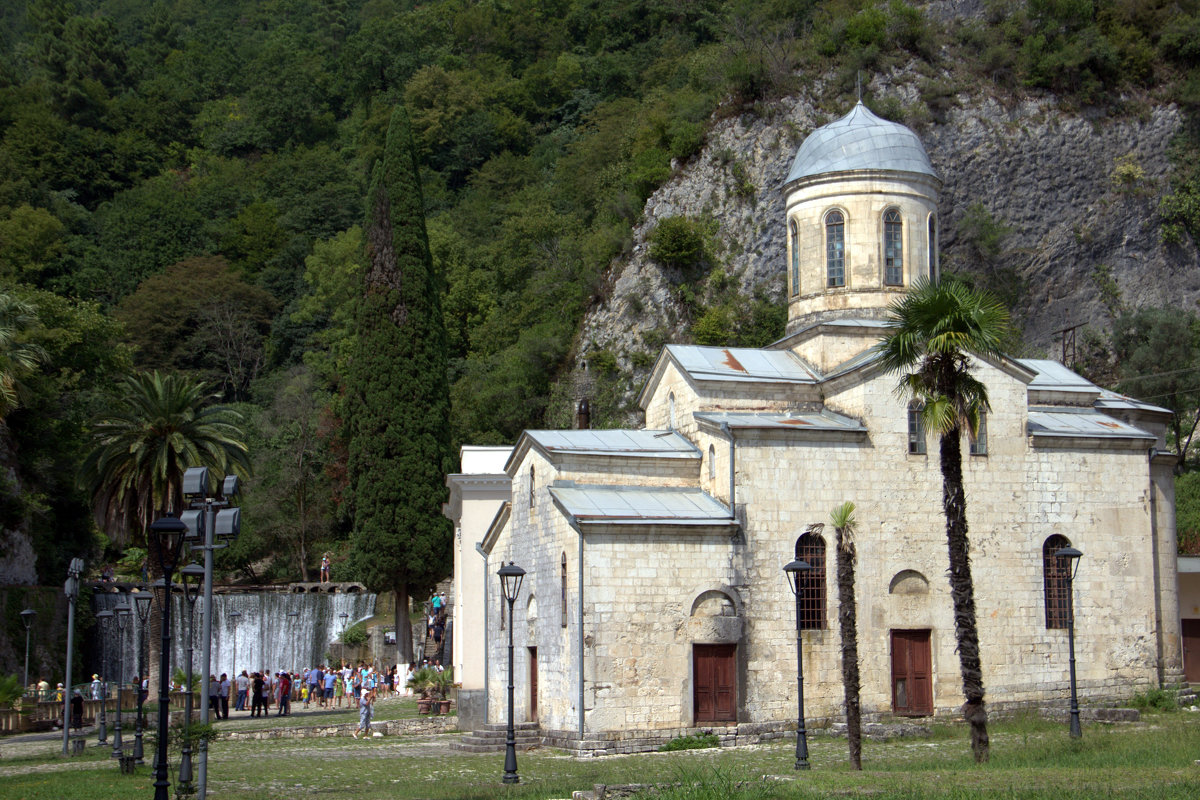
(655,603)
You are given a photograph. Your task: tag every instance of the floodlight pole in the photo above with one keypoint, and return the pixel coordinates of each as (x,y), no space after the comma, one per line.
(169,532)
(72,591)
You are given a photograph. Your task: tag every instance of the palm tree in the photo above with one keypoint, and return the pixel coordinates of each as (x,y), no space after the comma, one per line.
(159,426)
(933,332)
(842,518)
(18,357)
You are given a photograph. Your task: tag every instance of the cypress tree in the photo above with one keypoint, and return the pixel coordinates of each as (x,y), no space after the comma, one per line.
(397,393)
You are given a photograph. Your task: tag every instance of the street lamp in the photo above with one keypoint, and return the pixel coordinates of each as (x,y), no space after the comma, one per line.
(795,572)
(121,614)
(103,617)
(291,634)
(169,532)
(344,617)
(192,576)
(210,518)
(1068,561)
(510,583)
(27,617)
(141,604)
(71,589)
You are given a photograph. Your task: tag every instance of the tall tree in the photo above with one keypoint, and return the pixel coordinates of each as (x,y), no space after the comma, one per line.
(18,356)
(397,397)
(843,521)
(932,334)
(158,426)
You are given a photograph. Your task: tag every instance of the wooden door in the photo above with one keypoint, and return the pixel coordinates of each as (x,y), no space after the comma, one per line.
(533,688)
(1191,650)
(714,682)
(912,674)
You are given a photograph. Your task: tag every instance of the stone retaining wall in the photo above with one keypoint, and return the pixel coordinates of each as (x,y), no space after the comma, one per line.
(427,726)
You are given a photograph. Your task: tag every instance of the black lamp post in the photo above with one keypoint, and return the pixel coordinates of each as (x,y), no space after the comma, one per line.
(1068,559)
(71,589)
(192,577)
(795,572)
(234,617)
(27,617)
(141,605)
(102,617)
(342,636)
(169,532)
(510,583)
(121,614)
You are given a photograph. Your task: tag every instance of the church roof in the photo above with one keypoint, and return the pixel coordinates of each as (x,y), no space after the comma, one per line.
(1053,376)
(794,421)
(1081,423)
(1112,400)
(619,442)
(740,364)
(641,505)
(860,140)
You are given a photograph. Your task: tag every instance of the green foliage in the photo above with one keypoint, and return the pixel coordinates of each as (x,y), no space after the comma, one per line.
(678,242)
(1187,512)
(1162,700)
(695,741)
(1110,291)
(355,635)
(10,690)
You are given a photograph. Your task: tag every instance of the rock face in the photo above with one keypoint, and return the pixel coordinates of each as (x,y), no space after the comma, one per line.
(1078,240)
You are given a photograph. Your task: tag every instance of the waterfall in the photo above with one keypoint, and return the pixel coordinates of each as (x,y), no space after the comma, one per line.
(276,630)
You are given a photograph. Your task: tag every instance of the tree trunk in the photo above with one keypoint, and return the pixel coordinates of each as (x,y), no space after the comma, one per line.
(403,626)
(848,628)
(962,591)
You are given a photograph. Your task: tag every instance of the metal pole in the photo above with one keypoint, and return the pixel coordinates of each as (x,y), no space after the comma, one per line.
(118,744)
(138,753)
(164,697)
(185,755)
(27,617)
(210,526)
(72,590)
(103,730)
(510,742)
(1076,731)
(801,733)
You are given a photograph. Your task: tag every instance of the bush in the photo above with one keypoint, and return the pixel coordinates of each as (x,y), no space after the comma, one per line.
(1155,700)
(355,635)
(697,741)
(677,242)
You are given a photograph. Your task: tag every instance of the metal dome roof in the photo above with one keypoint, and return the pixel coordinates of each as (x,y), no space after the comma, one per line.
(860,140)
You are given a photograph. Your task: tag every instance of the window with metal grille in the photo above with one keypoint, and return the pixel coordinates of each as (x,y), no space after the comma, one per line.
(1054,574)
(795,243)
(811,548)
(916,429)
(978,445)
(835,249)
(893,258)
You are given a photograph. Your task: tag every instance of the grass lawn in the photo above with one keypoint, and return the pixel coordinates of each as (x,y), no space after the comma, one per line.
(1031,758)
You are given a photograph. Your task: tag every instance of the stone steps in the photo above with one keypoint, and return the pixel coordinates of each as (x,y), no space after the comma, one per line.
(492,738)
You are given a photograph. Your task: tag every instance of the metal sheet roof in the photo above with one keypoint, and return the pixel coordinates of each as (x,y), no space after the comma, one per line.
(741,364)
(1110,399)
(681,506)
(1053,376)
(622,442)
(794,421)
(860,140)
(1081,423)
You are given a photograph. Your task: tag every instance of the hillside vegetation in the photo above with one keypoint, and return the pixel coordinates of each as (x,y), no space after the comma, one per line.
(182,188)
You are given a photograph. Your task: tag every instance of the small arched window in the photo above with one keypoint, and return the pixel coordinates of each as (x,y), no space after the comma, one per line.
(794,240)
(916,429)
(811,548)
(893,247)
(933,248)
(564,589)
(531,493)
(978,446)
(835,249)
(712,463)
(671,411)
(1054,576)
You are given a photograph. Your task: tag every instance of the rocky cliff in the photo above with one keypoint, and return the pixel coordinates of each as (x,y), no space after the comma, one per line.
(1076,191)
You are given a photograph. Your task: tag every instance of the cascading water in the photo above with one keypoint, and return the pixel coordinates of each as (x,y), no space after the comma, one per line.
(276,630)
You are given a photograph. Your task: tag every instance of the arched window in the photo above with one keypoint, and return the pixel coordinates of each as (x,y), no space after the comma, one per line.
(712,463)
(916,429)
(811,548)
(933,251)
(531,495)
(1054,576)
(893,259)
(564,589)
(795,243)
(671,411)
(835,249)
(978,446)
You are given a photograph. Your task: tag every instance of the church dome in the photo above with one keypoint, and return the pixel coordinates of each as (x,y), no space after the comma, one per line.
(860,140)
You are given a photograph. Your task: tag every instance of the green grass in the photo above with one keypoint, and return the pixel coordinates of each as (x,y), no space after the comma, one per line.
(1031,759)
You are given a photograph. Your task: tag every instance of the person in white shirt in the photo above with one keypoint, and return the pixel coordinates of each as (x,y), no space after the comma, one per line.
(243,689)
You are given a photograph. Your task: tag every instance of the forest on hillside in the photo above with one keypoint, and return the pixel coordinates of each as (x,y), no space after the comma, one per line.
(183,183)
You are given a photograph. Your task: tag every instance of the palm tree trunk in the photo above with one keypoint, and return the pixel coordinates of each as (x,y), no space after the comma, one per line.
(848,627)
(962,591)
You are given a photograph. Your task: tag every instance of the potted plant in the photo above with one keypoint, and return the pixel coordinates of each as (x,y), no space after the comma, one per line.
(420,683)
(443,683)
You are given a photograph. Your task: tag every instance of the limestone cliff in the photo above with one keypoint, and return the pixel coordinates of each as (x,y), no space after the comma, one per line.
(1079,240)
